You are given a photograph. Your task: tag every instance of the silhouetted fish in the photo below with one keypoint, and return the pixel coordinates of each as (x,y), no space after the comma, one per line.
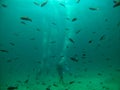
(116,4)
(44,3)
(102,37)
(74,19)
(92,8)
(36,3)
(78,1)
(26,18)
(12,88)
(11,43)
(74,59)
(62,4)
(4,5)
(71,40)
(4,51)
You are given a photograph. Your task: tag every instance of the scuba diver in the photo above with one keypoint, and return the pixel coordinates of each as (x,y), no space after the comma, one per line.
(61,69)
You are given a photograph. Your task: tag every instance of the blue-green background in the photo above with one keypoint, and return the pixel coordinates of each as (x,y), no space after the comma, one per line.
(39,45)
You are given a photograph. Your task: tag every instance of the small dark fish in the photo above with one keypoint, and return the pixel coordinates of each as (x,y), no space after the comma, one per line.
(74,19)
(3,5)
(4,51)
(71,40)
(94,32)
(77,1)
(55,85)
(74,59)
(85,69)
(43,83)
(99,74)
(93,9)
(102,37)
(84,54)
(11,43)
(38,29)
(26,18)
(90,41)
(118,24)
(67,29)
(68,18)
(9,60)
(32,38)
(116,4)
(71,82)
(36,3)
(106,19)
(54,23)
(52,42)
(118,70)
(48,88)
(53,56)
(77,31)
(62,4)
(26,81)
(12,88)
(44,3)
(23,22)
(16,34)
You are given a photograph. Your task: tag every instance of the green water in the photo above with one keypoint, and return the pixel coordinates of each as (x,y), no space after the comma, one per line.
(59,45)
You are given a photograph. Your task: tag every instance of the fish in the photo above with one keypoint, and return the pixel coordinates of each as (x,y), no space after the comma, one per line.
(93,9)
(67,29)
(99,74)
(62,4)
(52,42)
(74,59)
(12,88)
(67,18)
(44,3)
(4,51)
(90,41)
(74,19)
(11,43)
(36,3)
(55,85)
(4,5)
(77,1)
(23,22)
(54,23)
(26,18)
(118,24)
(116,4)
(71,82)
(26,81)
(48,88)
(32,38)
(118,69)
(77,31)
(9,60)
(102,37)
(38,29)
(71,40)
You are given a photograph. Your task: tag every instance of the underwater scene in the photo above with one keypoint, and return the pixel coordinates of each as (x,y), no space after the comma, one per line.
(59,44)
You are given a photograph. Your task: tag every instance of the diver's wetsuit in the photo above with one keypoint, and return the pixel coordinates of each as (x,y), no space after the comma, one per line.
(60,70)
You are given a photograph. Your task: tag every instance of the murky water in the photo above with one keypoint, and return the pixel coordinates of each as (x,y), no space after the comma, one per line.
(59,45)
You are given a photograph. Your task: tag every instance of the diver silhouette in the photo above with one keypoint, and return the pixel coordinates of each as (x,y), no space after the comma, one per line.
(61,69)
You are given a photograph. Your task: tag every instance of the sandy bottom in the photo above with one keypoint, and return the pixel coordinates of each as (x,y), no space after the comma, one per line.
(78,82)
